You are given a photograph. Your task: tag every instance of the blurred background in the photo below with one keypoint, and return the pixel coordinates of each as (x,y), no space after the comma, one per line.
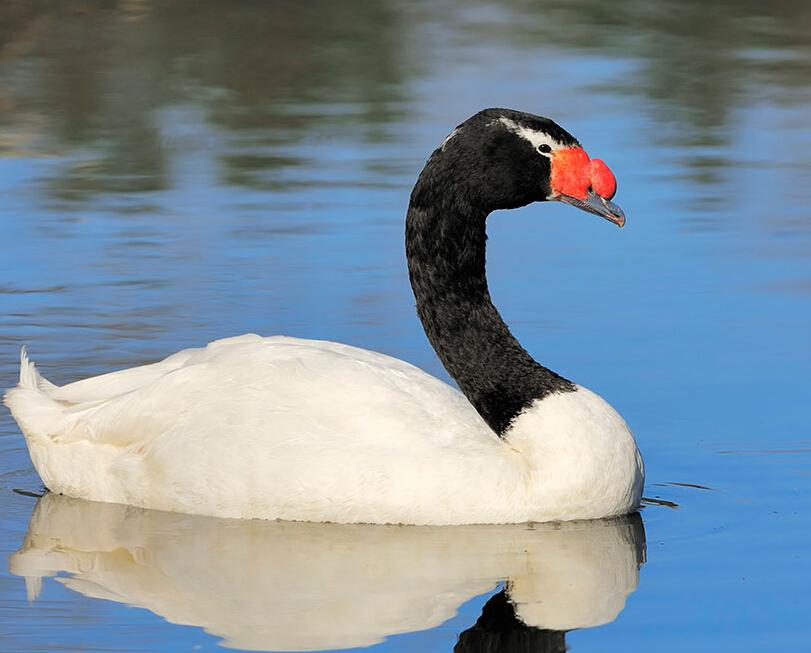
(175,172)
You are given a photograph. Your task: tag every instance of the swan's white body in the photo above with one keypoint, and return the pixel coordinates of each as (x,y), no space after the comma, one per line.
(282,428)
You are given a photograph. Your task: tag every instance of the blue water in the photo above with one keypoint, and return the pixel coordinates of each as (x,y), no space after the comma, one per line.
(174,173)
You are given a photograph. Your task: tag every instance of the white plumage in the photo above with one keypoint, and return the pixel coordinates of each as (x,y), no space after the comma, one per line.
(282,428)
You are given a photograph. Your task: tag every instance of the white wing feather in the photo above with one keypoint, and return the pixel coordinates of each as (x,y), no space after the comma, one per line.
(262,427)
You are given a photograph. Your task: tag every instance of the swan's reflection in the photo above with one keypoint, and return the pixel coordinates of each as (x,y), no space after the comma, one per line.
(298,586)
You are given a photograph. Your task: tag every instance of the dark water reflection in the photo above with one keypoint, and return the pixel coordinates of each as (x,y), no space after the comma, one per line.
(264,73)
(98,75)
(175,172)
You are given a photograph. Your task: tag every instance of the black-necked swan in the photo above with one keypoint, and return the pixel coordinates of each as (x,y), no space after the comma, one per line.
(282,428)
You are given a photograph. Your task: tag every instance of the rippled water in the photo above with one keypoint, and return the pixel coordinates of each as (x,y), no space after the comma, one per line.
(172,173)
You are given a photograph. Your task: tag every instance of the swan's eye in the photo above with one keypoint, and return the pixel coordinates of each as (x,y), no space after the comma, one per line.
(543,148)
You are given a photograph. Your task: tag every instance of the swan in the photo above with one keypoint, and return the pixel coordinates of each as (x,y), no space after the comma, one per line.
(284,428)
(289,586)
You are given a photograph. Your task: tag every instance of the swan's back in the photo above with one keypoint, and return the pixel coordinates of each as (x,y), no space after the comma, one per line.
(276,427)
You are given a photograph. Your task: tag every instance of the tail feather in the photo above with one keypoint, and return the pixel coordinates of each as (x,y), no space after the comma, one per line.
(30,403)
(30,376)
(28,371)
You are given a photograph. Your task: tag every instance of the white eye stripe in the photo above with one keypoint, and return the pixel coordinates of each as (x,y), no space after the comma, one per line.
(536,138)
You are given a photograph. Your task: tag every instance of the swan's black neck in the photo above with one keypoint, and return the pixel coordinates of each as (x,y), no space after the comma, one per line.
(445,247)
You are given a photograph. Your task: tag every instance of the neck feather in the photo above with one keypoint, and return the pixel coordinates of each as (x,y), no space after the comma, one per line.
(445,247)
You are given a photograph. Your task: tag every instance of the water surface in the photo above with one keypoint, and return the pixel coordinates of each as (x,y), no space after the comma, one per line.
(177,172)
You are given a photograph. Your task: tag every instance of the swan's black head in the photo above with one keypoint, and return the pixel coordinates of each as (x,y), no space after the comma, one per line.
(497,159)
(503,159)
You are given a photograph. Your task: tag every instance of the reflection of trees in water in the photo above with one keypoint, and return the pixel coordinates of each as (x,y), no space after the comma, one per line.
(98,73)
(101,72)
(698,58)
